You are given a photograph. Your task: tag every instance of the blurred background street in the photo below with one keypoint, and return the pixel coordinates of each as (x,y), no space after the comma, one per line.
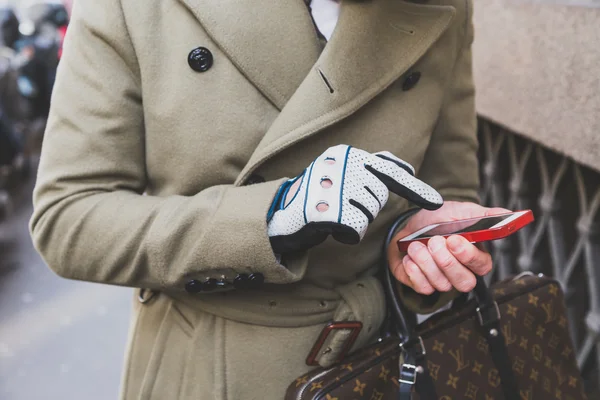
(59,339)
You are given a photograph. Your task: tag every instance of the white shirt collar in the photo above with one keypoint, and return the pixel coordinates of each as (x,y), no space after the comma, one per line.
(326,14)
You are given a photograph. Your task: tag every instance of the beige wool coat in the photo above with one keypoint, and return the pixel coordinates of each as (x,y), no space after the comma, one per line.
(146,168)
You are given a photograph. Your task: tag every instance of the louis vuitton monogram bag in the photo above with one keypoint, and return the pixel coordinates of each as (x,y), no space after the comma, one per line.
(509,342)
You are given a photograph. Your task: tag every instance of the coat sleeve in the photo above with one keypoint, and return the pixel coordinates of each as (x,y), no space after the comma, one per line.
(450,164)
(91,219)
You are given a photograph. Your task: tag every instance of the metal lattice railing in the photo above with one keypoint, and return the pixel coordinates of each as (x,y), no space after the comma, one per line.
(564,241)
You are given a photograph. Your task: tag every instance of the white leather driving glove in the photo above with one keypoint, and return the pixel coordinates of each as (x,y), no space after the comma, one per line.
(340,194)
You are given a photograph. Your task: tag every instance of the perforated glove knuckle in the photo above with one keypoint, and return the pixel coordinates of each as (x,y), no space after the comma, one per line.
(340,194)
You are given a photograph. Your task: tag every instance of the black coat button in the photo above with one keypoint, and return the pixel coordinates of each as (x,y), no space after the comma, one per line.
(193,286)
(241,281)
(254,179)
(200,59)
(411,81)
(209,285)
(256,280)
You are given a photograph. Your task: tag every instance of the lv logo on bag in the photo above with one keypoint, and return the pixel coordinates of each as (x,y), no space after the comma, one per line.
(458,358)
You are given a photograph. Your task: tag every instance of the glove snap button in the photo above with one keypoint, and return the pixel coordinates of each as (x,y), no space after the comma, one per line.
(322,206)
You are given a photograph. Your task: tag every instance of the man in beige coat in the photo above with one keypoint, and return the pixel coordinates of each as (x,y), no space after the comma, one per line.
(173,125)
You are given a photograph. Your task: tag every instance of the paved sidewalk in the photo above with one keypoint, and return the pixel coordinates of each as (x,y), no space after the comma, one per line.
(59,339)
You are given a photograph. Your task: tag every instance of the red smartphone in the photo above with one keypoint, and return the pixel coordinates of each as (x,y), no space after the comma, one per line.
(475,230)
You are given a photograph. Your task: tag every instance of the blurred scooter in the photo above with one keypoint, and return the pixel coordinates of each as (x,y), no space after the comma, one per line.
(11,161)
(9,27)
(16,146)
(29,54)
(43,26)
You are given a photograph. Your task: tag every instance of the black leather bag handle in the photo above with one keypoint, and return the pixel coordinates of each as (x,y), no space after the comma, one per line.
(403,321)
(405,325)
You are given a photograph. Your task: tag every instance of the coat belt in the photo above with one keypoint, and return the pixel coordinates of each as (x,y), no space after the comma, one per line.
(295,305)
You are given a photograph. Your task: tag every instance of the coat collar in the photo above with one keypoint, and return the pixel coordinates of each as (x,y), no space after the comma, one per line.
(273,42)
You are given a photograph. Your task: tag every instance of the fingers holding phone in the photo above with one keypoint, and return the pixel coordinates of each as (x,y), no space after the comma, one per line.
(470,255)
(442,255)
(447,263)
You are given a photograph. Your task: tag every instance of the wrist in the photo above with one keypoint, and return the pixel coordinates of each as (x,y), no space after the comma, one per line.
(284,196)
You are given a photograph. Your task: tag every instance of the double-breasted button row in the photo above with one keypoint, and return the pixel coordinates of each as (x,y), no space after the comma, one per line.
(411,80)
(241,281)
(200,59)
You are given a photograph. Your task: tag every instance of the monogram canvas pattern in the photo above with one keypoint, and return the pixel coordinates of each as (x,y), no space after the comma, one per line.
(371,374)
(534,326)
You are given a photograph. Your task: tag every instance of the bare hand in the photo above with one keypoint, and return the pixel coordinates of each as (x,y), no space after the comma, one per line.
(443,263)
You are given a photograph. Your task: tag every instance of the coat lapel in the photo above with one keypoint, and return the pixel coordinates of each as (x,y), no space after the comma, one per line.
(374,43)
(272,42)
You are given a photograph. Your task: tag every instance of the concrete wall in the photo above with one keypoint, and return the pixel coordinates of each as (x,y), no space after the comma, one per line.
(537,71)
